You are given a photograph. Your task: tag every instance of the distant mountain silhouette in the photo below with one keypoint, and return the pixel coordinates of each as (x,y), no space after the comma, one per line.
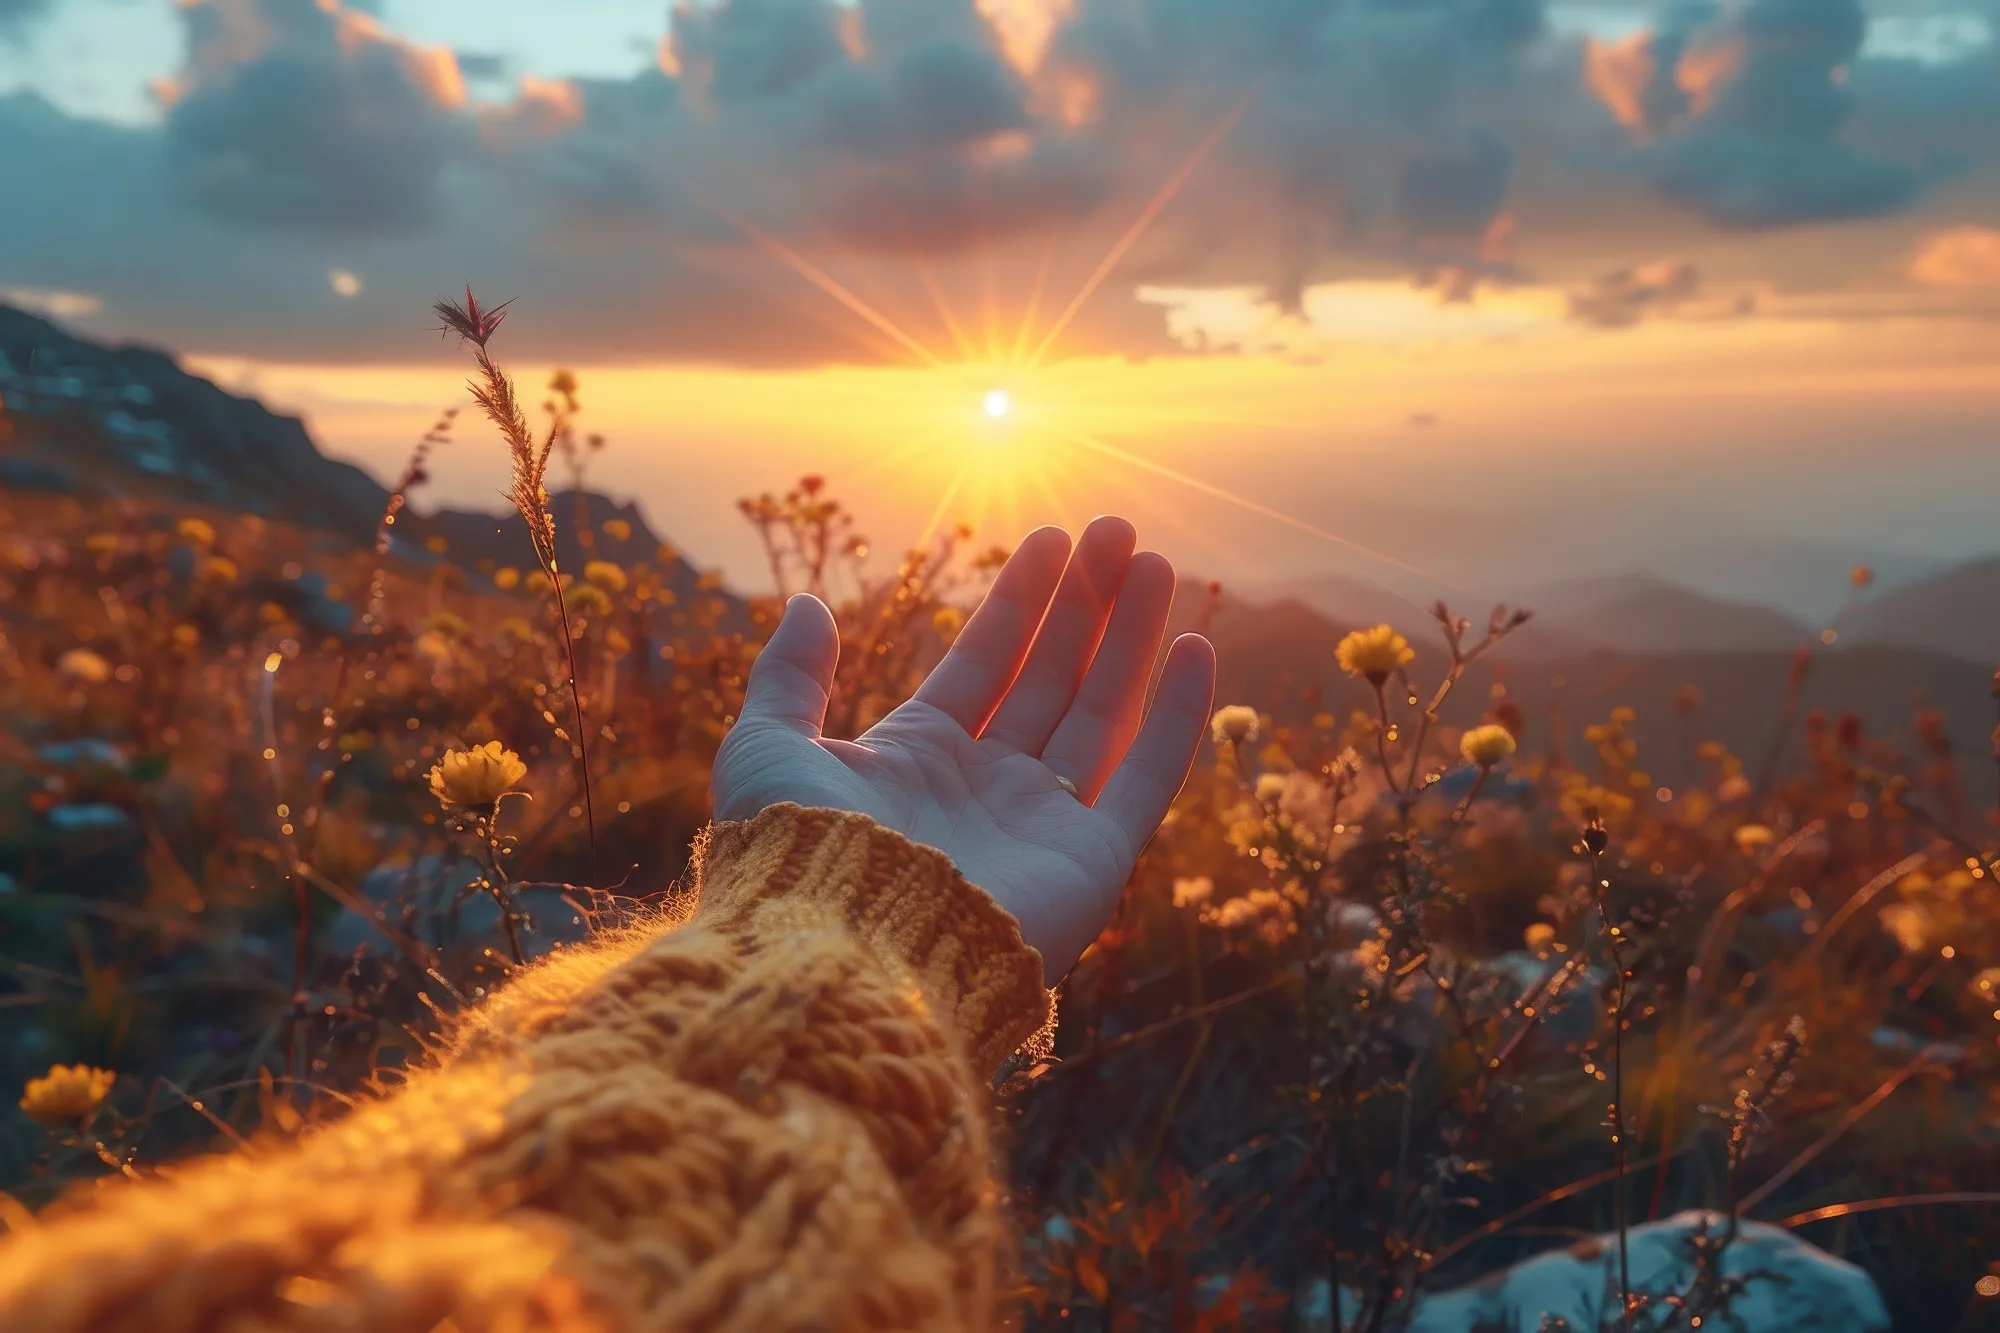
(1637,613)
(1279,657)
(1956,611)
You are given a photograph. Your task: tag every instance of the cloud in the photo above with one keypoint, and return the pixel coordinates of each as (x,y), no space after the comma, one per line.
(298,114)
(1627,296)
(1959,257)
(15,15)
(1740,112)
(1450,142)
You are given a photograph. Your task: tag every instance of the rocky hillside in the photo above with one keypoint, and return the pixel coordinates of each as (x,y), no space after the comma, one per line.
(88,419)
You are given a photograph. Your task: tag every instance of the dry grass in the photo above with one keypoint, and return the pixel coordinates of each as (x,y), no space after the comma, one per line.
(1378,1018)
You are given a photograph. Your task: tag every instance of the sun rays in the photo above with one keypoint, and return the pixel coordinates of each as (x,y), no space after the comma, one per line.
(999,415)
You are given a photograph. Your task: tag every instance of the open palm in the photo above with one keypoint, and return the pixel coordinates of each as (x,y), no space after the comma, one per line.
(1047,681)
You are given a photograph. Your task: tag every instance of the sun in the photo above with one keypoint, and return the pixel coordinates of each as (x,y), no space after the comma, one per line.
(998,404)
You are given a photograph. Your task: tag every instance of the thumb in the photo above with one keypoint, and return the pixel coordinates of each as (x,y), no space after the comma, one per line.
(792,677)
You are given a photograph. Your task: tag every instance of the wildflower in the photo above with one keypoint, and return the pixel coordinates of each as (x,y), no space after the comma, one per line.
(216,569)
(197,532)
(617,643)
(605,575)
(187,636)
(479,776)
(1734,788)
(1908,925)
(506,578)
(1193,891)
(1753,838)
(618,530)
(66,1095)
(588,599)
(1539,937)
(1270,786)
(1373,653)
(1486,745)
(1234,724)
(948,621)
(82,665)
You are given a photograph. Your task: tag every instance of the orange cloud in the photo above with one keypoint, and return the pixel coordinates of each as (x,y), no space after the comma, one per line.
(1618,73)
(1025,28)
(1705,69)
(1959,257)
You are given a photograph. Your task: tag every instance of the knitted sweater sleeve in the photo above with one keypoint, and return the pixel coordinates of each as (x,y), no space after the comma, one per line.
(769,1118)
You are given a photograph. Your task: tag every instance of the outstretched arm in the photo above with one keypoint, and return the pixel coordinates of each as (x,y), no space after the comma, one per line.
(769,1118)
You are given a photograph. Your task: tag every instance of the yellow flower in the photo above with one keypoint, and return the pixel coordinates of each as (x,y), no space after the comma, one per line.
(197,532)
(506,578)
(479,776)
(948,621)
(605,575)
(1539,937)
(1193,891)
(1733,788)
(81,664)
(187,636)
(1373,653)
(588,599)
(618,530)
(1270,786)
(1753,838)
(66,1095)
(217,569)
(1234,724)
(1486,745)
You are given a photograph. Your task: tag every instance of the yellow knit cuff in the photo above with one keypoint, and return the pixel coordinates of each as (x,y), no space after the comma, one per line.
(791,867)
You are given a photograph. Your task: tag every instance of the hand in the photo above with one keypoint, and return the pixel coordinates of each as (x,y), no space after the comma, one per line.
(1030,692)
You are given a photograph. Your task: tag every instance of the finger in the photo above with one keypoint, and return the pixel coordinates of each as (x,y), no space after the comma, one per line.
(1144,785)
(792,677)
(988,653)
(1041,694)
(1101,722)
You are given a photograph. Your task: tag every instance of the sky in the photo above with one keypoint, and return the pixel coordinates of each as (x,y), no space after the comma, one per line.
(1450,294)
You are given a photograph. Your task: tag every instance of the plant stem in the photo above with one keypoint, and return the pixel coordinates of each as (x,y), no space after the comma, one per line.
(1619,1200)
(576,706)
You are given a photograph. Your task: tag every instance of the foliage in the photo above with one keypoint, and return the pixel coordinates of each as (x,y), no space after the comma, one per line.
(1383,1008)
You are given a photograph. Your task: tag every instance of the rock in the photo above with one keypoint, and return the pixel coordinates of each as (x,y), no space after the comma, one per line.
(89,818)
(1792,1286)
(87,754)
(1571,1016)
(432,882)
(31,474)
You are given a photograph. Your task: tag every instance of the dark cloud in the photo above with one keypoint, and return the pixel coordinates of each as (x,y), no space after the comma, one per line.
(1363,137)
(1746,109)
(482,66)
(15,15)
(294,115)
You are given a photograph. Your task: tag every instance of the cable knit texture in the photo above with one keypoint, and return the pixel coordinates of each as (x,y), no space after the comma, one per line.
(769,1118)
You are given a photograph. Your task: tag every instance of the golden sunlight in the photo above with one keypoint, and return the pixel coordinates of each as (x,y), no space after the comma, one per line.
(998,403)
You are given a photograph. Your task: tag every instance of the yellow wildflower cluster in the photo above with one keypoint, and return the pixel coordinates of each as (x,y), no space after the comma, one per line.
(66,1095)
(479,776)
(1374,653)
(1234,725)
(1486,745)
